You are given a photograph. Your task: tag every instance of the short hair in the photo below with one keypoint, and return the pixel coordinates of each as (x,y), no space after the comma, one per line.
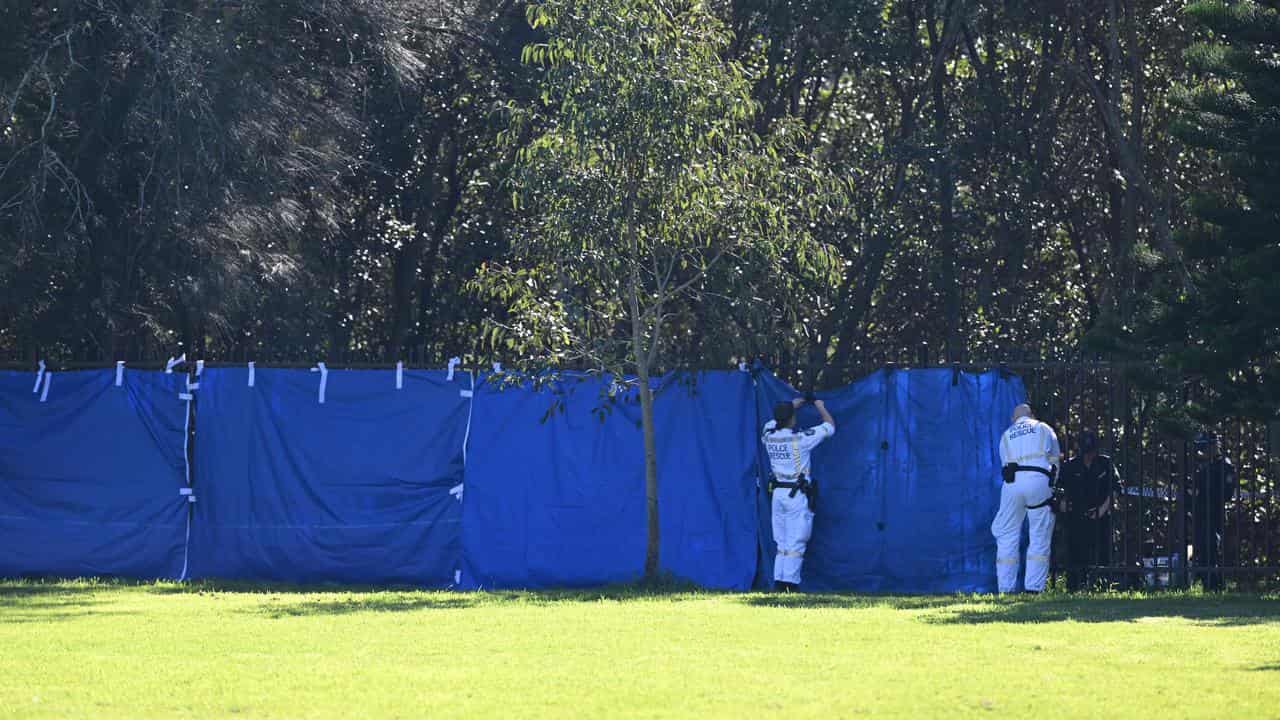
(1021,410)
(783,413)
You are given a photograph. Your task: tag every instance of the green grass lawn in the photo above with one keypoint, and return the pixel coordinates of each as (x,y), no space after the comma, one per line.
(86,649)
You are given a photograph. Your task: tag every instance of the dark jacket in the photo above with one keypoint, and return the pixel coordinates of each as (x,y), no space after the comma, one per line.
(1085,487)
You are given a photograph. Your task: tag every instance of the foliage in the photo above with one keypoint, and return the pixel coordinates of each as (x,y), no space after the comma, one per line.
(645,192)
(1226,326)
(300,179)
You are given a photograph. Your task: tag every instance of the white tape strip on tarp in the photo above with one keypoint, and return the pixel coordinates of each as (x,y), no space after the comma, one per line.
(119,373)
(466,436)
(250,374)
(44,394)
(39,377)
(186,461)
(174,362)
(324,378)
(456,490)
(453,363)
(399,375)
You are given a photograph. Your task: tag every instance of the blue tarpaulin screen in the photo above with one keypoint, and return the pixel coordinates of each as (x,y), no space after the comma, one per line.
(365,486)
(354,489)
(555,482)
(90,477)
(909,483)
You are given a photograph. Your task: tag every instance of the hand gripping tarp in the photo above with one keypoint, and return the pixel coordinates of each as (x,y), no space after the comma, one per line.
(355,489)
(556,492)
(90,479)
(909,483)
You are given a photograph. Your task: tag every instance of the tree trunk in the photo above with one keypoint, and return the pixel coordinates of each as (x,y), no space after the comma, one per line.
(651,554)
(639,349)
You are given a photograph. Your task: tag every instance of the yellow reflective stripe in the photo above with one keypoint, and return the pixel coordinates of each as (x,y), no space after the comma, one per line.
(795,451)
(1038,558)
(1007,561)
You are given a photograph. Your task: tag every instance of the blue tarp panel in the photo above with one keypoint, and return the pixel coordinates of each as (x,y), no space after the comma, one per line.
(706,439)
(352,490)
(555,483)
(908,485)
(90,478)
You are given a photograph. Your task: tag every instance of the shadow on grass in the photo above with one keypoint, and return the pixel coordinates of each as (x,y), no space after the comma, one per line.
(1274,667)
(1227,610)
(39,616)
(1222,611)
(372,603)
(26,601)
(851,602)
(49,598)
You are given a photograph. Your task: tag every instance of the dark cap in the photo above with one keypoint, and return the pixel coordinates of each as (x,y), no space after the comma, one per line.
(1088,442)
(783,412)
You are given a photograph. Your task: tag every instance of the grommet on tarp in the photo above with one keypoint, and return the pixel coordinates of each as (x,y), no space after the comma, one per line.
(324,378)
(174,362)
(119,373)
(400,375)
(39,377)
(188,493)
(250,374)
(453,363)
(44,393)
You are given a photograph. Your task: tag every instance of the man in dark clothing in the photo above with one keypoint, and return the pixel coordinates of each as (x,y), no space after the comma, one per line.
(1090,486)
(1212,485)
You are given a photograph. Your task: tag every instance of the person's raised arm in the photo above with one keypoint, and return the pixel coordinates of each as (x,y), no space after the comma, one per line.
(822,411)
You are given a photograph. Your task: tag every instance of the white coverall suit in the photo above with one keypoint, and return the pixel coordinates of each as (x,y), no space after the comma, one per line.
(1032,443)
(792,520)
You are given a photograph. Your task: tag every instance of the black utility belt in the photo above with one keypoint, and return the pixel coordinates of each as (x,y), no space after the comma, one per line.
(801,484)
(1010,472)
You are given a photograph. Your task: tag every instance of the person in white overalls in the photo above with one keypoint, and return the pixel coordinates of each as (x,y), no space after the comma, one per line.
(1029,454)
(792,485)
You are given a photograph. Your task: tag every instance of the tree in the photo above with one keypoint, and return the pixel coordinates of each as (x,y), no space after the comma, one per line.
(1226,327)
(646,193)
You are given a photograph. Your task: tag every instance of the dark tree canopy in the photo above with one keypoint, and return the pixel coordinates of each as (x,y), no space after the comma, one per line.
(304,179)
